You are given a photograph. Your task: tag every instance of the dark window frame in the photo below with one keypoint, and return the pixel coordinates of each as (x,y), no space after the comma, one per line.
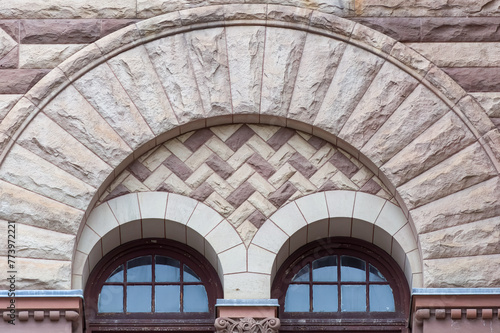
(344,321)
(158,321)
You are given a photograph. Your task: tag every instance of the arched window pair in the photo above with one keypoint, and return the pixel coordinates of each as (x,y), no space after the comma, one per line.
(325,285)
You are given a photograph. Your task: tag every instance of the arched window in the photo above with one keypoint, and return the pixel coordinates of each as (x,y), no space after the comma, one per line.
(152,283)
(341,283)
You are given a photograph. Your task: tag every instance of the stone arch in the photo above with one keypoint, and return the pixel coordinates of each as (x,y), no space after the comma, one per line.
(153,215)
(106,105)
(336,213)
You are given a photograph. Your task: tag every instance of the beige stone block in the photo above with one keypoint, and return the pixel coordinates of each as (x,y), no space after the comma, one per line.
(270,237)
(226,232)
(409,120)
(240,156)
(240,214)
(261,184)
(323,174)
(340,203)
(302,146)
(199,176)
(281,64)
(130,231)
(317,67)
(81,62)
(29,171)
(175,182)
(340,226)
(247,285)
(470,272)
(362,230)
(102,89)
(247,230)
(7,102)
(474,114)
(313,207)
(178,149)
(37,243)
(462,170)
(245,48)
(261,203)
(411,59)
(405,238)
(234,260)
(260,146)
(179,208)
(74,114)
(464,54)
(475,203)
(391,218)
(156,158)
(125,208)
(260,260)
(281,156)
(375,41)
(6,43)
(317,230)
(361,177)
(382,239)
(240,175)
(289,218)
(137,75)
(490,101)
(352,78)
(152,204)
(207,50)
(198,157)
(67,9)
(176,231)
(45,55)
(40,274)
(171,60)
(219,204)
(102,220)
(296,241)
(302,184)
(322,155)
(444,138)
(94,256)
(14,119)
(225,131)
(203,219)
(157,177)
(425,8)
(282,175)
(390,87)
(23,206)
(222,186)
(342,182)
(153,228)
(80,264)
(471,239)
(264,131)
(133,184)
(398,254)
(110,241)
(88,239)
(55,145)
(444,85)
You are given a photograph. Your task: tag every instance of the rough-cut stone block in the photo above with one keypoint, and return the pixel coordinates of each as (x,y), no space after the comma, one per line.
(137,75)
(46,139)
(388,90)
(460,29)
(29,171)
(111,25)
(288,14)
(352,78)
(475,203)
(444,138)
(318,64)
(245,47)
(11,27)
(207,50)
(41,9)
(490,101)
(102,89)
(281,64)
(23,206)
(37,243)
(374,40)
(19,81)
(492,142)
(464,169)
(14,119)
(45,56)
(475,79)
(40,274)
(234,11)
(172,63)
(59,31)
(475,114)
(332,23)
(7,43)
(471,239)
(417,64)
(7,102)
(470,272)
(10,60)
(74,114)
(411,118)
(403,29)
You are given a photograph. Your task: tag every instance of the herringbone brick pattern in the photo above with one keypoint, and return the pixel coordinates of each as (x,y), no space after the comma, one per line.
(246,172)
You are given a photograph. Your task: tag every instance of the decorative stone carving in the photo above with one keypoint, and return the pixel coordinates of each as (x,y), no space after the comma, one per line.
(247,325)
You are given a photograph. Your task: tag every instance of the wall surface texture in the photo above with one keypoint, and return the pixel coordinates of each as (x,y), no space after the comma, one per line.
(266,124)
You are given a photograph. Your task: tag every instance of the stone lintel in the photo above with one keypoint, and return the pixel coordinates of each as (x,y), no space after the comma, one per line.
(241,308)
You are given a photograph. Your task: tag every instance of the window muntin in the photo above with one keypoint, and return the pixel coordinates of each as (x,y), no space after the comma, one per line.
(131,287)
(353,286)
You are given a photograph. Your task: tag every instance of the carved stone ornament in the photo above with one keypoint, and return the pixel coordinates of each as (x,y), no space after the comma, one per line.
(247,325)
